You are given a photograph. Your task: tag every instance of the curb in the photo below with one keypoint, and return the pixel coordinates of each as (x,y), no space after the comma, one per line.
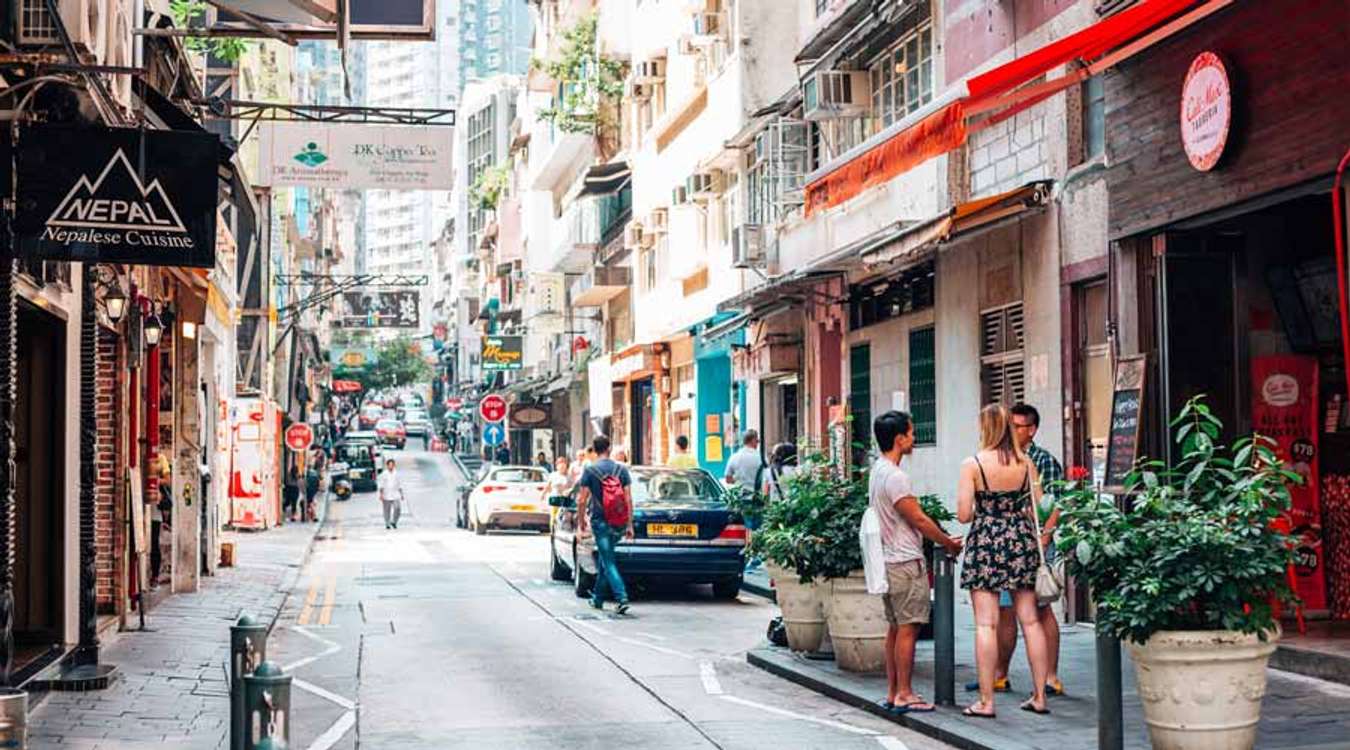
(946,724)
(758,590)
(287,585)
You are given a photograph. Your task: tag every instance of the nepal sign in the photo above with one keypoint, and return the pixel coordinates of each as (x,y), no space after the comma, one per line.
(117,195)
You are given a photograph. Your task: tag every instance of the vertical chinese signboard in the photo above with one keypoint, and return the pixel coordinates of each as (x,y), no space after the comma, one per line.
(1284,409)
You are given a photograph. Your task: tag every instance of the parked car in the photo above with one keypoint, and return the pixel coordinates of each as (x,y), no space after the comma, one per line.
(509,497)
(361,456)
(391,432)
(368,416)
(683,532)
(417,422)
(465,490)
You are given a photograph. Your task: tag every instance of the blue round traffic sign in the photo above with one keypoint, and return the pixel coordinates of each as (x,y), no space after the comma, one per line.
(494,433)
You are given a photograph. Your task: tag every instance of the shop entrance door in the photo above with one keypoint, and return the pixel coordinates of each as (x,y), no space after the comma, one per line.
(39,497)
(642,422)
(1197,311)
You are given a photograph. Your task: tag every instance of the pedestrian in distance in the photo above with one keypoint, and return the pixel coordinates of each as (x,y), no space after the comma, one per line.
(996,488)
(904,526)
(605,510)
(311,489)
(290,493)
(559,481)
(542,461)
(503,455)
(746,468)
(782,464)
(621,455)
(391,494)
(1026,422)
(683,459)
(578,466)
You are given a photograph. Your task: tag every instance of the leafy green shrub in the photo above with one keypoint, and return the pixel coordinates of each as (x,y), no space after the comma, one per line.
(813,529)
(1196,548)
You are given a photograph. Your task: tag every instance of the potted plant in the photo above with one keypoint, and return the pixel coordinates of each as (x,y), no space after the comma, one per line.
(1189,573)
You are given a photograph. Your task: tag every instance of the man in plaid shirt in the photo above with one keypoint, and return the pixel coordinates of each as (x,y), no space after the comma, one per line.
(1026,421)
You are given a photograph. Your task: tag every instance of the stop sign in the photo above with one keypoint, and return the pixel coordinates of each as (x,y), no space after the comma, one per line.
(454,403)
(299,436)
(492,408)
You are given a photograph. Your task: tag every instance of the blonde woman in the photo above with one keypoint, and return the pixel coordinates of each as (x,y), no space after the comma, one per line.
(996,489)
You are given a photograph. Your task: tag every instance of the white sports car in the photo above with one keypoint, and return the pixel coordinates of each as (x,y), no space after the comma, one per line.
(509,497)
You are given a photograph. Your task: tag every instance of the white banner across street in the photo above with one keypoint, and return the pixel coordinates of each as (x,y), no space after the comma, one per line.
(354,156)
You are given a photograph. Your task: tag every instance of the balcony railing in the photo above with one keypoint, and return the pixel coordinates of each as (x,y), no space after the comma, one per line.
(615,211)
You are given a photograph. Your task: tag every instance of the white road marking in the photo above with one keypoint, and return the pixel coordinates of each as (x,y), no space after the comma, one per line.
(331,648)
(335,732)
(711,686)
(589,626)
(801,717)
(329,696)
(652,636)
(538,582)
(891,743)
(654,647)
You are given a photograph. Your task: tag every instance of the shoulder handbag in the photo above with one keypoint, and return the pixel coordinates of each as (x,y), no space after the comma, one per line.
(1049,581)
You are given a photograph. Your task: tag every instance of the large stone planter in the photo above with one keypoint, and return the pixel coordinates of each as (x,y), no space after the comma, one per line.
(803,608)
(1202,690)
(857,622)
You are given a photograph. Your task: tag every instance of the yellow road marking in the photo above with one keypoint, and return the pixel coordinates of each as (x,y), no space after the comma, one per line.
(310,597)
(329,598)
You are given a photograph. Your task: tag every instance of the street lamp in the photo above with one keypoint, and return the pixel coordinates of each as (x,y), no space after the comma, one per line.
(116,303)
(153,330)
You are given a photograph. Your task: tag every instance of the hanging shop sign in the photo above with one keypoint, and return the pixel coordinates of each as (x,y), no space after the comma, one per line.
(1284,409)
(1206,111)
(406,20)
(502,353)
(347,386)
(527,416)
(117,195)
(382,309)
(349,156)
(764,360)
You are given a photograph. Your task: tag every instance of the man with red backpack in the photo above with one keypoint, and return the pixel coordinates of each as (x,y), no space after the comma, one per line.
(605,506)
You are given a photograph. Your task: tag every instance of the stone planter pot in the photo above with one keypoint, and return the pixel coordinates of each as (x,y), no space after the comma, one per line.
(13,718)
(1202,690)
(857,623)
(803,608)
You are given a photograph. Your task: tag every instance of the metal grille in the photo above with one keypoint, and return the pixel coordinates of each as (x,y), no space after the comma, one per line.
(1002,371)
(923,385)
(36,25)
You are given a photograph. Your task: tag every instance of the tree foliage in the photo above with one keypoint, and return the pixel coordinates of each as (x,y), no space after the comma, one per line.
(1198,547)
(397,363)
(185,12)
(590,85)
(491,185)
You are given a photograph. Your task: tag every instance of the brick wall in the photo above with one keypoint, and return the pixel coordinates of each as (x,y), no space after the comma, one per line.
(107,532)
(1009,154)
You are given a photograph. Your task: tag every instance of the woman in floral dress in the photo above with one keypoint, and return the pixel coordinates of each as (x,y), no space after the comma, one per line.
(996,488)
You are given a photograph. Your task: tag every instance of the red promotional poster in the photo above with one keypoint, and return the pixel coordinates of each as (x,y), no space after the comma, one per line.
(1284,408)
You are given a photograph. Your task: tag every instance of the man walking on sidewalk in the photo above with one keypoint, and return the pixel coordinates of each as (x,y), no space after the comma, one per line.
(605,484)
(903,528)
(391,494)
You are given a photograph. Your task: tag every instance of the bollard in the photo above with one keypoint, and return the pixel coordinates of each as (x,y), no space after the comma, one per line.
(13,719)
(944,630)
(248,649)
(1110,721)
(267,700)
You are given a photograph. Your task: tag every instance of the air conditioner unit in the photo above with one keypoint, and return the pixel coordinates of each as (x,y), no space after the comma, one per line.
(704,185)
(656,221)
(120,52)
(83,19)
(707,28)
(831,94)
(679,195)
(747,246)
(632,235)
(650,71)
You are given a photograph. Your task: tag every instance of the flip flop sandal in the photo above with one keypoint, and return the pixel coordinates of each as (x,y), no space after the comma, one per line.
(885,705)
(917,707)
(972,713)
(1054,688)
(1029,706)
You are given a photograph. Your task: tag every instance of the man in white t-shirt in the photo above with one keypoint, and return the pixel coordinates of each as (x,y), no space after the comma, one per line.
(903,528)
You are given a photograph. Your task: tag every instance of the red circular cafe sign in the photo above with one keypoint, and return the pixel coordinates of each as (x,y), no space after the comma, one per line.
(1206,111)
(299,436)
(492,408)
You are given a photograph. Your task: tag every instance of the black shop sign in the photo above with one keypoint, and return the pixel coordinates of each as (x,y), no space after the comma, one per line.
(117,195)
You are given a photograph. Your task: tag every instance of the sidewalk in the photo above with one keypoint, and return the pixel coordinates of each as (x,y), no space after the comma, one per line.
(172,688)
(1299,712)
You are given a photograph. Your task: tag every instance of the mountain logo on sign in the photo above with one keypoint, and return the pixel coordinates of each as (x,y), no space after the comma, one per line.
(311,156)
(117,200)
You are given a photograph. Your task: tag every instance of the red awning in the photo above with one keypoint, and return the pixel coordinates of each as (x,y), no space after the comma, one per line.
(1002,92)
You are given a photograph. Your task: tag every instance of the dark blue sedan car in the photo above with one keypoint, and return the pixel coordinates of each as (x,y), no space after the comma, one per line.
(682,533)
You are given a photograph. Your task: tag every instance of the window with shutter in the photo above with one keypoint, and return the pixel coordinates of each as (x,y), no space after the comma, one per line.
(1002,372)
(860,393)
(923,385)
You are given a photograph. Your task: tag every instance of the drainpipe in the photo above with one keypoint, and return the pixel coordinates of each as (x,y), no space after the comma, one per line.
(87,650)
(1342,280)
(9,325)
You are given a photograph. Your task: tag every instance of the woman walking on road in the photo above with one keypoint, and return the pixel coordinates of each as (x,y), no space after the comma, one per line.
(996,488)
(391,494)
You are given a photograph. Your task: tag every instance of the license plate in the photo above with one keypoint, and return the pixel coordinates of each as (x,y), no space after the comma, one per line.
(672,529)
(522,507)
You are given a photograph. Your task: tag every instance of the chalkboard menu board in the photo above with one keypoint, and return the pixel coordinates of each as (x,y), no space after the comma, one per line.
(1127,404)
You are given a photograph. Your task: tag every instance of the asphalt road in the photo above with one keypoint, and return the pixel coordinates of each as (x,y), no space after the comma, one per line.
(430,637)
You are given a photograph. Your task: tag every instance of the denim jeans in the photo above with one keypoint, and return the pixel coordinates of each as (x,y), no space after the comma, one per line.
(608,582)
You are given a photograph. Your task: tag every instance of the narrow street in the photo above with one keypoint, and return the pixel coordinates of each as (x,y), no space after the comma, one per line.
(430,637)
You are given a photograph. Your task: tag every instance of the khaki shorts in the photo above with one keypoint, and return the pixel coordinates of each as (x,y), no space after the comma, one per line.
(906,599)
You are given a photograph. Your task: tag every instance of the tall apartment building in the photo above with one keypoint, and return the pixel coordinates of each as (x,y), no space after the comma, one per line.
(494,37)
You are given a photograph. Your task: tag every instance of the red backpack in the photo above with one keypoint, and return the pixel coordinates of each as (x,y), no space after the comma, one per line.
(613,501)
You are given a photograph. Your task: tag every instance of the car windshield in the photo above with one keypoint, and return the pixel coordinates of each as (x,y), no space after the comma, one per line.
(355,454)
(518,474)
(387,424)
(411,415)
(658,487)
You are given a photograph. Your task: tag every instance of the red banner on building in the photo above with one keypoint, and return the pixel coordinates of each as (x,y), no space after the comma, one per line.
(1284,408)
